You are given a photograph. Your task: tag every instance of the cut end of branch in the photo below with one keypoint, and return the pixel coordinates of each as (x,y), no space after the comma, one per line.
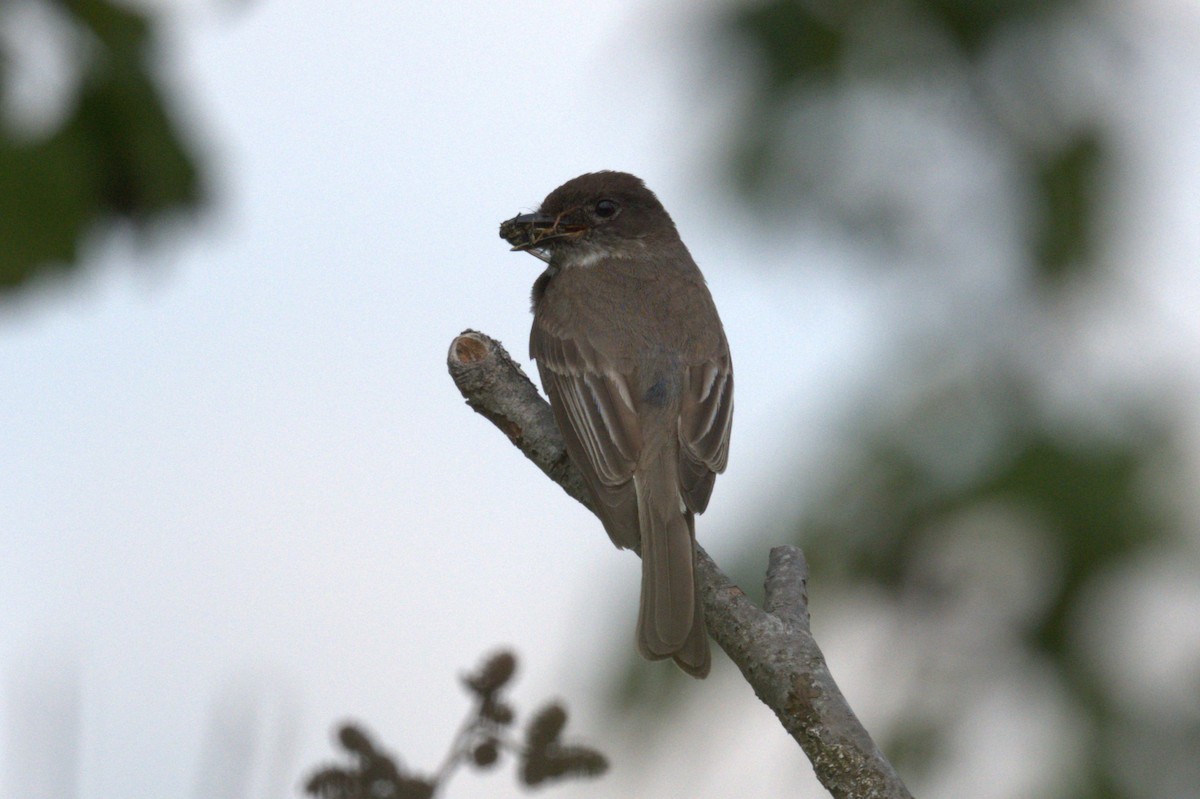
(469,347)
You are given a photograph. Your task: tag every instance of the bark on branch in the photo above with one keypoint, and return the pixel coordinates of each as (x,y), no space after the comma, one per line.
(772,646)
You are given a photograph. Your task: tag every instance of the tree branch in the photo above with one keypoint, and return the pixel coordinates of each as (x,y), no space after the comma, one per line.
(772,646)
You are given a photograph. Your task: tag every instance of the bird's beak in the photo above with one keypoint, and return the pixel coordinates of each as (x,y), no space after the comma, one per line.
(536,219)
(533,231)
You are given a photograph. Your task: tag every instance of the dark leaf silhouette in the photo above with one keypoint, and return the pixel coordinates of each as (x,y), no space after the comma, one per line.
(480,742)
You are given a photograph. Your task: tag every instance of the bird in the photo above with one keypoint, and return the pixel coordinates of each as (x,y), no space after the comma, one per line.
(634,360)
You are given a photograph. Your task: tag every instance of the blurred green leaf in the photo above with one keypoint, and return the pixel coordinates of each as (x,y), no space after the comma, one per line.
(1066,183)
(972,23)
(790,42)
(119,157)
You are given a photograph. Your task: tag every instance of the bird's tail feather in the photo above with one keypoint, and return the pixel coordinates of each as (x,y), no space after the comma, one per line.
(671,616)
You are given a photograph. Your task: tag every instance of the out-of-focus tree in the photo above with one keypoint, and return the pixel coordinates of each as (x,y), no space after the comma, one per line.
(1001,493)
(87,140)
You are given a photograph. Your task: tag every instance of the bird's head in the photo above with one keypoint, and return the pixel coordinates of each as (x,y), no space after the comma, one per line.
(596,215)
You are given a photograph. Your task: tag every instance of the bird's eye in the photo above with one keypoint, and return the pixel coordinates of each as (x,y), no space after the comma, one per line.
(605,209)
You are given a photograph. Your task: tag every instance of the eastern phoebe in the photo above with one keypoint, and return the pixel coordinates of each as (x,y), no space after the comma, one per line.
(633,357)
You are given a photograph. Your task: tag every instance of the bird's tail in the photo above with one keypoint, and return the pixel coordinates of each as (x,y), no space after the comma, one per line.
(671,616)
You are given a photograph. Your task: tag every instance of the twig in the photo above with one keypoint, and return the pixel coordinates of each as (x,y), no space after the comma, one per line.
(773,647)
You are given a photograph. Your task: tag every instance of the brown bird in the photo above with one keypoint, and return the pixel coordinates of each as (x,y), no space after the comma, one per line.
(633,357)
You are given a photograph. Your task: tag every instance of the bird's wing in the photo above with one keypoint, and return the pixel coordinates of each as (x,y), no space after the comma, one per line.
(595,412)
(705,419)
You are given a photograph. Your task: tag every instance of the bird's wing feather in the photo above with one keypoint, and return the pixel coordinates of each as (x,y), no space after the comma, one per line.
(705,420)
(595,412)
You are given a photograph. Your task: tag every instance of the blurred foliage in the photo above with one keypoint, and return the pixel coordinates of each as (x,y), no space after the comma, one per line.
(480,741)
(806,51)
(974,514)
(1066,183)
(1069,509)
(116,158)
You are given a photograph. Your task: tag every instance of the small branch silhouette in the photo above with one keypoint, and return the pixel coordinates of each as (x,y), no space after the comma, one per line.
(773,645)
(485,734)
